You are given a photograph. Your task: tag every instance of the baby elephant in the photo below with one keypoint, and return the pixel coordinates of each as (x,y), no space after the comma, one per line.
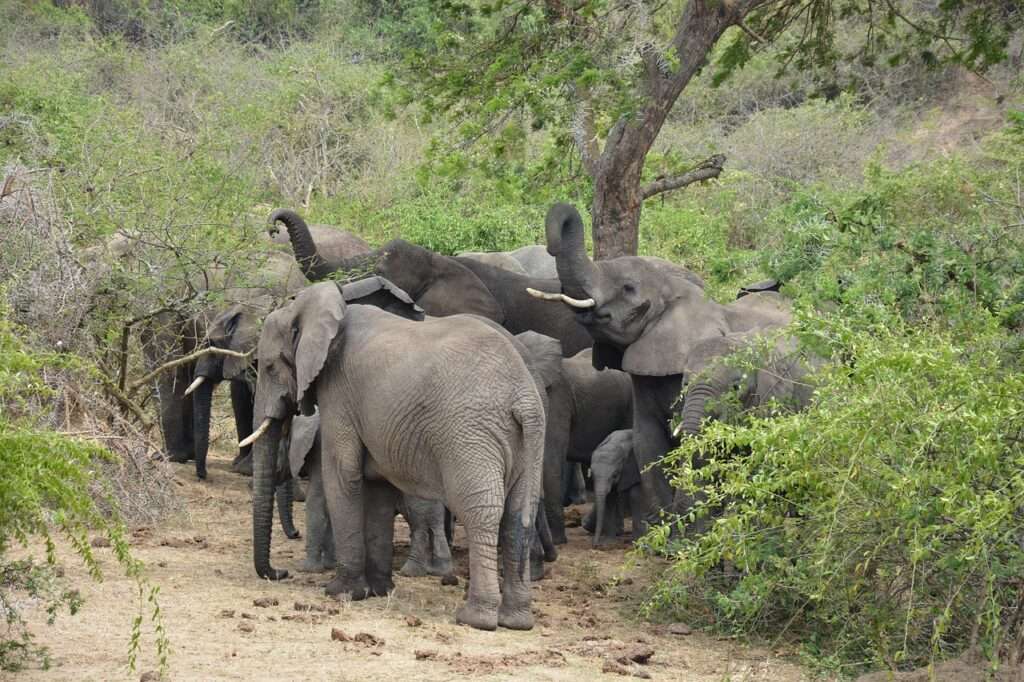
(616,481)
(443,409)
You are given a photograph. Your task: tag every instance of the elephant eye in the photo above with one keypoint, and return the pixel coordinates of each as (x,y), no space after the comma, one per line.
(628,289)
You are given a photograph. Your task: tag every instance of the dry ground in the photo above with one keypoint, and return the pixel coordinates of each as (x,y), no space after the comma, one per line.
(203,564)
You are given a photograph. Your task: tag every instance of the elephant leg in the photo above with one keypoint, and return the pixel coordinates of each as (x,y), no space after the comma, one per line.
(176,414)
(285,494)
(556,446)
(652,397)
(577,484)
(636,501)
(449,527)
(379,523)
(547,543)
(517,535)
(342,466)
(482,521)
(241,406)
(415,510)
(319,538)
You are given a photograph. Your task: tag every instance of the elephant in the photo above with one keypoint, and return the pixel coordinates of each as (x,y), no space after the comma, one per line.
(584,406)
(645,315)
(533,261)
(499,259)
(441,409)
(616,482)
(444,285)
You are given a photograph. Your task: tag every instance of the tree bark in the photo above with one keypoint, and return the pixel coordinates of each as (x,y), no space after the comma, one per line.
(618,194)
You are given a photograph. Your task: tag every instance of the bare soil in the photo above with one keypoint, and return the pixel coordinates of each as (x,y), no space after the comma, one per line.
(226,624)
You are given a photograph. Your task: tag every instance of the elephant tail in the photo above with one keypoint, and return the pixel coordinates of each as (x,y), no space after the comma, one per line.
(528,411)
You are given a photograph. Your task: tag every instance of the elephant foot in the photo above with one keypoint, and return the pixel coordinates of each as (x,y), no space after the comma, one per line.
(293,534)
(550,555)
(536,567)
(477,617)
(243,466)
(558,537)
(440,568)
(357,589)
(515,618)
(413,569)
(300,492)
(449,580)
(589,522)
(180,457)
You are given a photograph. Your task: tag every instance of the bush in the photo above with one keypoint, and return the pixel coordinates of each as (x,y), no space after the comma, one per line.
(882,525)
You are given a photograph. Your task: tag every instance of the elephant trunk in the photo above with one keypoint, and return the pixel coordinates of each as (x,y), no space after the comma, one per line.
(202,399)
(601,493)
(264,459)
(307,255)
(694,404)
(564,229)
(285,495)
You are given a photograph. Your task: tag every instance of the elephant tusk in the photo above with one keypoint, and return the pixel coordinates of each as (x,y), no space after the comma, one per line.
(195,384)
(255,435)
(577,303)
(675,431)
(543,295)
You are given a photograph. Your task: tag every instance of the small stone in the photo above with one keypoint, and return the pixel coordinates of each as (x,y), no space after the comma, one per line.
(367,639)
(162,564)
(100,541)
(424,654)
(449,580)
(413,621)
(375,653)
(248,616)
(272,619)
(638,654)
(246,626)
(611,666)
(264,602)
(149,676)
(338,635)
(302,606)
(679,629)
(227,613)
(333,611)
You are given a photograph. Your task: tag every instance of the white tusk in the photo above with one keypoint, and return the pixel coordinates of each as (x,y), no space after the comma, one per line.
(577,303)
(195,384)
(543,295)
(256,434)
(675,431)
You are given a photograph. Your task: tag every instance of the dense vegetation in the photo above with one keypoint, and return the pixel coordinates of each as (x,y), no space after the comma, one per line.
(879,528)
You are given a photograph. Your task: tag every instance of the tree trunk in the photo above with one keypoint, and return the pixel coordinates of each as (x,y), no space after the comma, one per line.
(618,190)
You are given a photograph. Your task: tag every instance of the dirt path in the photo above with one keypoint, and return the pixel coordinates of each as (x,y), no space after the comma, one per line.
(202,562)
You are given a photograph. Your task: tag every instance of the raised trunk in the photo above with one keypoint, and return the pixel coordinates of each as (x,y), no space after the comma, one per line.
(264,460)
(564,232)
(202,400)
(312,264)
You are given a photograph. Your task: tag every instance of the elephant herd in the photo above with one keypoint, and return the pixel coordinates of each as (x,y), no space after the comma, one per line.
(403,379)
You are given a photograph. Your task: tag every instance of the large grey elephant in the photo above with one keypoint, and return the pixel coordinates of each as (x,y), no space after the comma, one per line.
(441,409)
(444,285)
(584,406)
(645,315)
(499,259)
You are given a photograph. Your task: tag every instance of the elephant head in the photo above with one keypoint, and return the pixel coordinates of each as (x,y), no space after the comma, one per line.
(440,285)
(643,313)
(606,468)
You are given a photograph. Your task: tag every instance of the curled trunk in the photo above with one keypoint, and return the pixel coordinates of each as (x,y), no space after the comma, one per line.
(314,266)
(264,462)
(564,230)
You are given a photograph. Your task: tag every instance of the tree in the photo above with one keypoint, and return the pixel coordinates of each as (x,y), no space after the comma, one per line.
(603,75)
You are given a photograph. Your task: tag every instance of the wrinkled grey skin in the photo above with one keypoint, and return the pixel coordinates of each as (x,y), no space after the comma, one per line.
(533,261)
(616,482)
(444,285)
(584,406)
(442,409)
(429,553)
(645,315)
(499,259)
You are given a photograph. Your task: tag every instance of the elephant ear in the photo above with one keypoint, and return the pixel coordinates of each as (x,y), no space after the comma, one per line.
(304,433)
(604,356)
(384,294)
(321,309)
(454,288)
(544,355)
(663,348)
